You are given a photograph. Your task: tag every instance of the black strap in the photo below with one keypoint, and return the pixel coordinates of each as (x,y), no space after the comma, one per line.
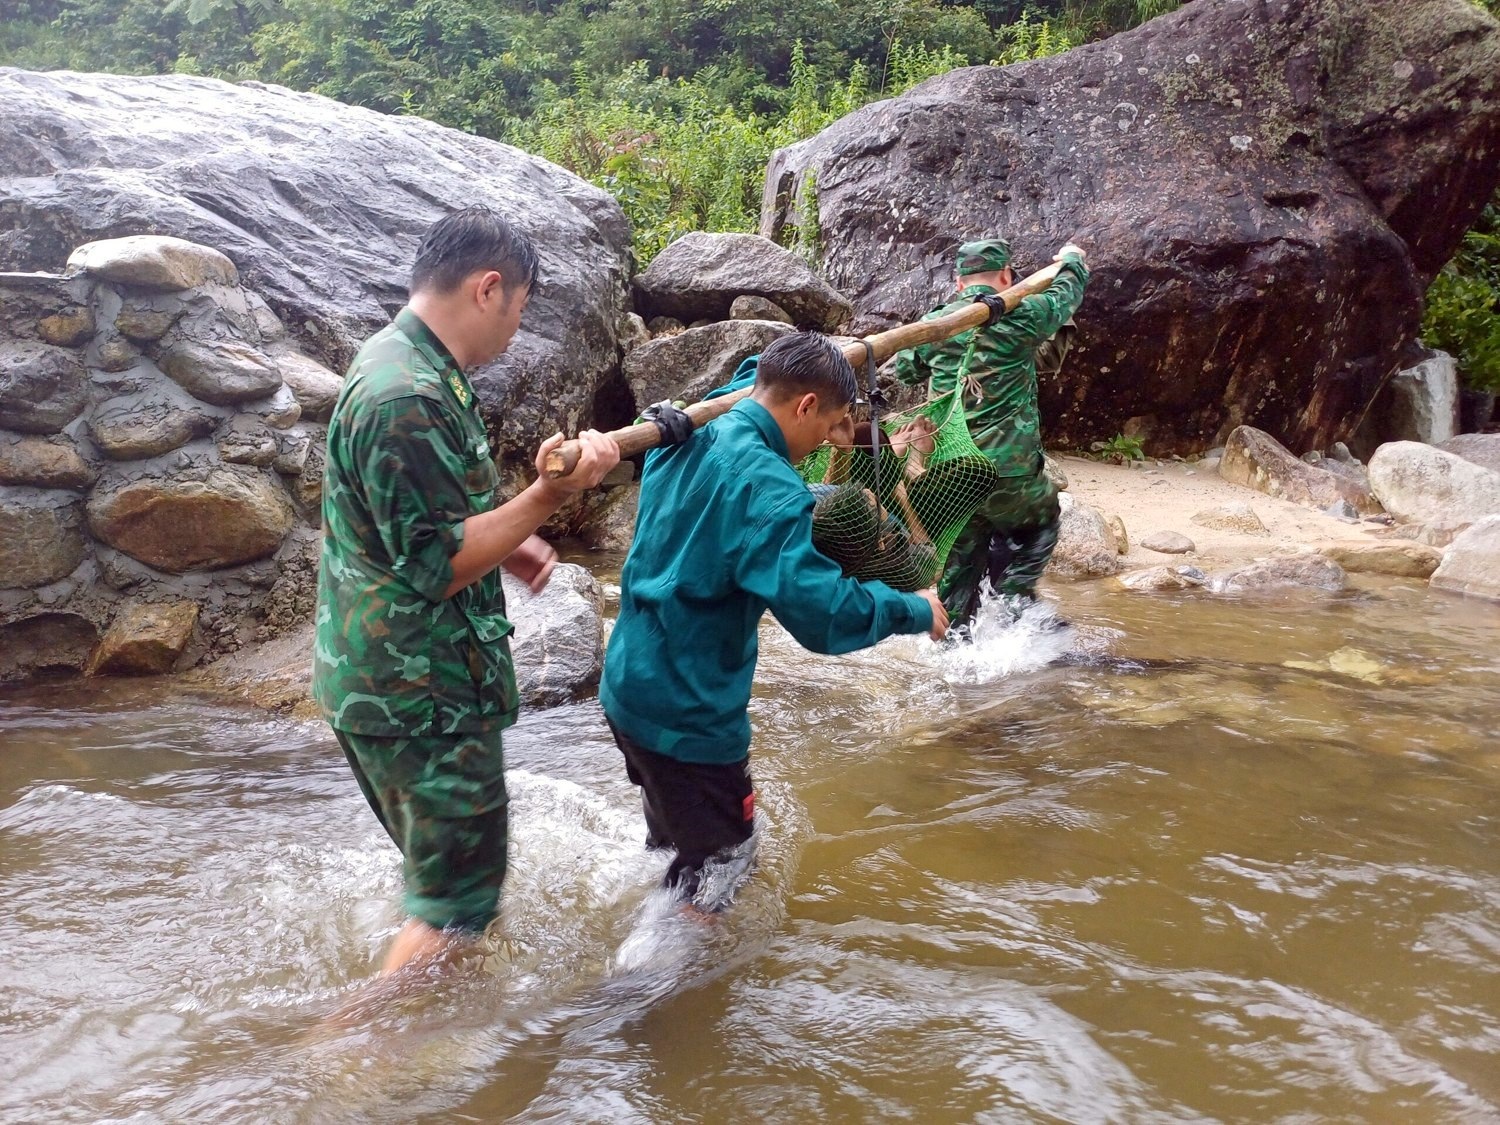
(877,400)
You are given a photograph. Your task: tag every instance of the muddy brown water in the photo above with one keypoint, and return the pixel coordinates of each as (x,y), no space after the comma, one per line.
(1225,860)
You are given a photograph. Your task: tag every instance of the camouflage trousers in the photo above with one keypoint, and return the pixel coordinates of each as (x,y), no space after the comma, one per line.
(1009,539)
(442,800)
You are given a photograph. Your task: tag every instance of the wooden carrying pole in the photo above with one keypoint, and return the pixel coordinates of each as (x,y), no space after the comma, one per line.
(644,435)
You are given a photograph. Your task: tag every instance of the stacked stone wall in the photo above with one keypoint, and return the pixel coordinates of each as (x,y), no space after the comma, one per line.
(161,461)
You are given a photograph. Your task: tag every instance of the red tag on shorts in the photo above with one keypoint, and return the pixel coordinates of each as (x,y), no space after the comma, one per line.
(749,806)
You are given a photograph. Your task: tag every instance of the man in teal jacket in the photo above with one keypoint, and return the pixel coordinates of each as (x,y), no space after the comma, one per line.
(723,533)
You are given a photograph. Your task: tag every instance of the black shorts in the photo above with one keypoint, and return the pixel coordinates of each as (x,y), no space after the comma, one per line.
(704,811)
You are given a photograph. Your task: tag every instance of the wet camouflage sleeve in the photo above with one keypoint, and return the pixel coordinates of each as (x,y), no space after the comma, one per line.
(393,656)
(997,365)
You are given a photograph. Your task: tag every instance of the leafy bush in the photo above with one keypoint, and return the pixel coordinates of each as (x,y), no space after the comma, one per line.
(1119,449)
(1463,304)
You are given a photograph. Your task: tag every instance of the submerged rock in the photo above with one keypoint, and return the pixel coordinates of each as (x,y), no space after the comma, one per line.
(1472,564)
(1312,572)
(1156,579)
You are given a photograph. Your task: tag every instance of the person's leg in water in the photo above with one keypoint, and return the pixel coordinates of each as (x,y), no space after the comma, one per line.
(703,811)
(964,572)
(443,802)
(1033,518)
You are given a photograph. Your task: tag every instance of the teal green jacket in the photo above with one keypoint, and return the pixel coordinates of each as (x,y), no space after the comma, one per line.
(723,533)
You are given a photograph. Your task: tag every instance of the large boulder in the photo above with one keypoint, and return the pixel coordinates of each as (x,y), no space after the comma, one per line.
(690,364)
(1238,171)
(232,516)
(1471,565)
(1481,449)
(320,206)
(558,645)
(700,275)
(1256,460)
(1423,402)
(1422,484)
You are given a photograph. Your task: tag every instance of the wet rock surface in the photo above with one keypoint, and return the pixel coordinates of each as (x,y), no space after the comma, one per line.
(42,387)
(130,489)
(43,462)
(319,207)
(1238,171)
(1086,547)
(1256,460)
(145,639)
(41,539)
(558,644)
(701,275)
(1395,560)
(1471,565)
(689,364)
(233,516)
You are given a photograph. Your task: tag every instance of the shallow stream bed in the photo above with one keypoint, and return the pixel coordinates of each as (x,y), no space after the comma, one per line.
(1224,860)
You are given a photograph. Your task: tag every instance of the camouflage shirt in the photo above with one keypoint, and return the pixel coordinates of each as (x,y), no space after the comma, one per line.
(998,365)
(408,462)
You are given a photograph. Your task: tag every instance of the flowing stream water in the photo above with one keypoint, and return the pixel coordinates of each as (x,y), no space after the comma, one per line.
(1197,859)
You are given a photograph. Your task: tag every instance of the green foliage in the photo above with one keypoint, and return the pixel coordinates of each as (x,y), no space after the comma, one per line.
(1462,315)
(1119,449)
(673,105)
(1031,38)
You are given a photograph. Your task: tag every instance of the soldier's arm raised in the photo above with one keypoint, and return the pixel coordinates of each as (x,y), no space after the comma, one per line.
(491,537)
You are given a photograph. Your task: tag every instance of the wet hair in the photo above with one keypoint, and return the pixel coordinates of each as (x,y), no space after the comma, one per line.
(807,362)
(473,239)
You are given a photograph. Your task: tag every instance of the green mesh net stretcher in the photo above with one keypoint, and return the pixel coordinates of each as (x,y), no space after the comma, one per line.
(895,520)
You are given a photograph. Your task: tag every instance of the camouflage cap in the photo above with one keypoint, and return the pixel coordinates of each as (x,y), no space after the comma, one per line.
(983,256)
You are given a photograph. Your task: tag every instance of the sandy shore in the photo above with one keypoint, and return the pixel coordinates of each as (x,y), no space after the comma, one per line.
(1164,495)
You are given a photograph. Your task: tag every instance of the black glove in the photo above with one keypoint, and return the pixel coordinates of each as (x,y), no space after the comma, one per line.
(674,424)
(994,303)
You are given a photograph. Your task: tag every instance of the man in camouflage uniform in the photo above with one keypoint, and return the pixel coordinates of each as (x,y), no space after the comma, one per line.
(412,663)
(1012,535)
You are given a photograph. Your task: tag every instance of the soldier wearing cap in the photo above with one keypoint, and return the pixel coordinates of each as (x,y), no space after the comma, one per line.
(1012,535)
